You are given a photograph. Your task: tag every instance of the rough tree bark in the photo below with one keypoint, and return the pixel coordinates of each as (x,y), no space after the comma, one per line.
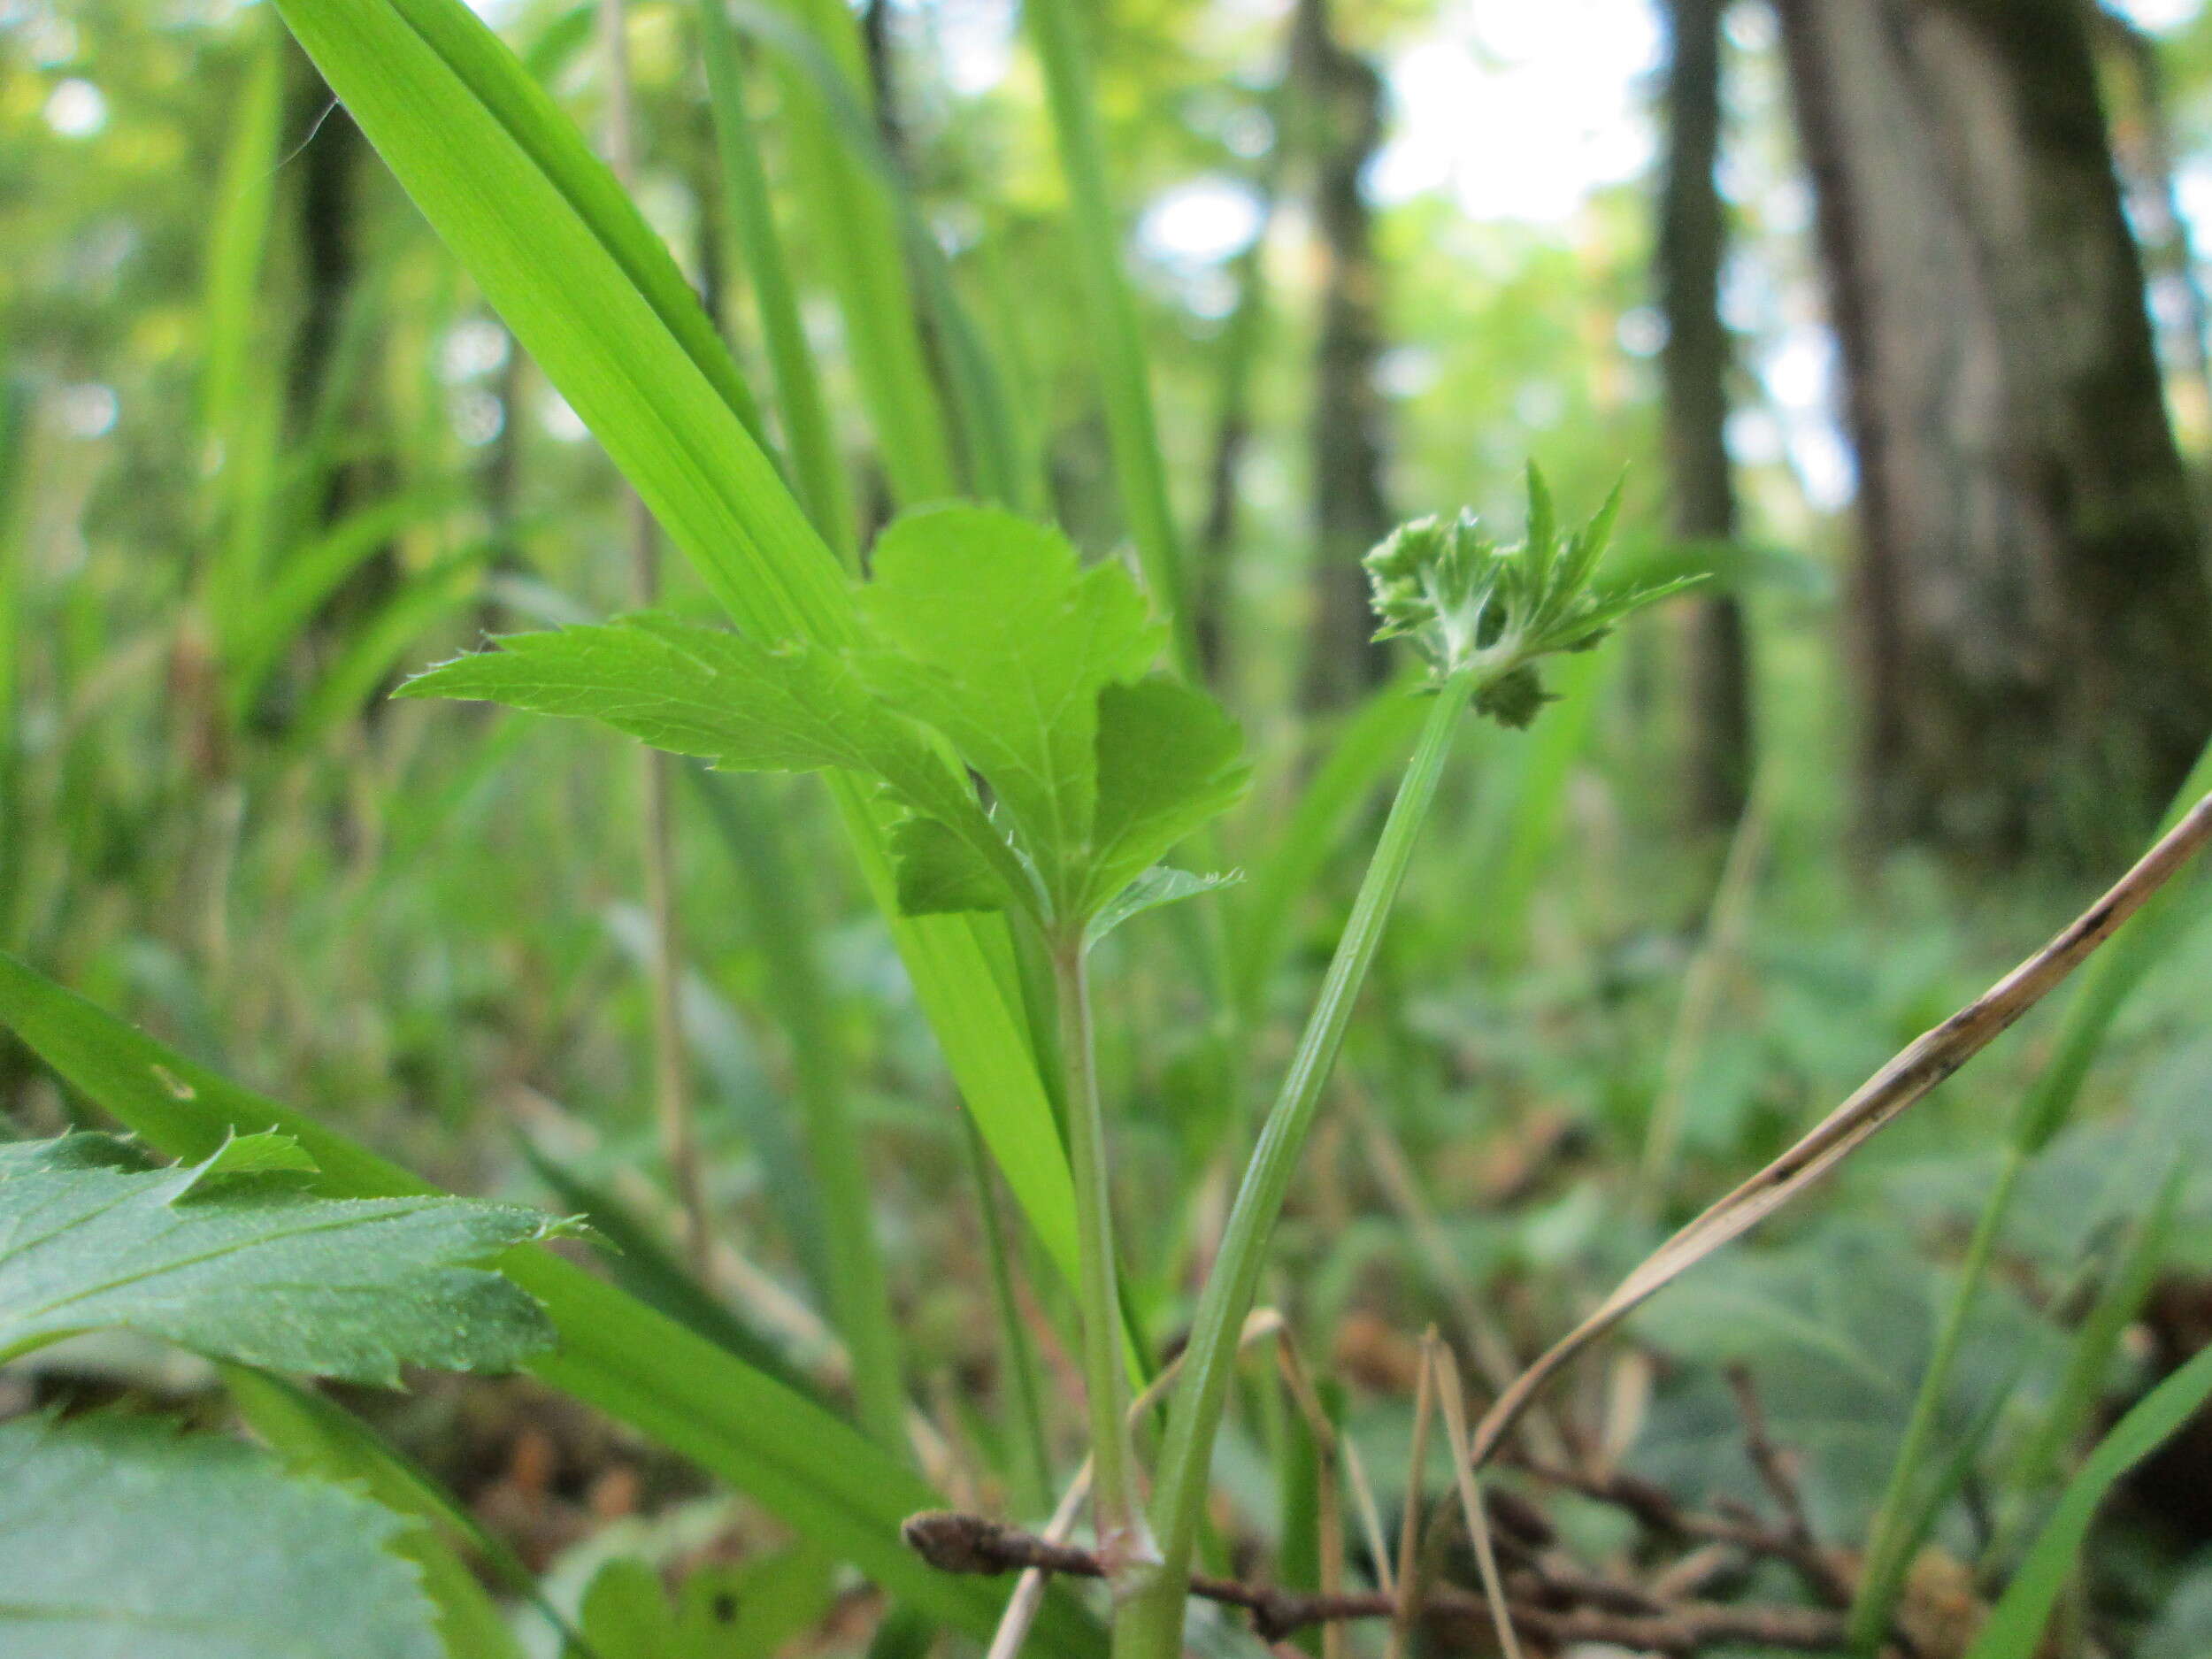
(1338,100)
(1693,369)
(2033,621)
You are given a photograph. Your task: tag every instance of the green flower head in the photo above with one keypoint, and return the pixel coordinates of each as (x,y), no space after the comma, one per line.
(1471,606)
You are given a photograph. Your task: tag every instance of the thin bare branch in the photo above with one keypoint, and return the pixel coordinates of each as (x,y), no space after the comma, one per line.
(975,1544)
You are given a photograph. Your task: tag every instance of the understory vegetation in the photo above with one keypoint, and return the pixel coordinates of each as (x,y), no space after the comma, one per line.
(693,973)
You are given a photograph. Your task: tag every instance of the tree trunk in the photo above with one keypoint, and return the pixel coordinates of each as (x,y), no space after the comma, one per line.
(2034,625)
(1694,370)
(1339,102)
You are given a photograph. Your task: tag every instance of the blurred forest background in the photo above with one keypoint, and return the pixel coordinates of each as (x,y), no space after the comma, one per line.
(1887,311)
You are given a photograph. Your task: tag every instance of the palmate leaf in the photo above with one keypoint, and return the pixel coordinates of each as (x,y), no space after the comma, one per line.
(110,1530)
(988,629)
(1169,760)
(978,624)
(232,1256)
(717,695)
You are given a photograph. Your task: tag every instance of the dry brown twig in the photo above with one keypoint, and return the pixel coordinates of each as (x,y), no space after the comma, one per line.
(975,1544)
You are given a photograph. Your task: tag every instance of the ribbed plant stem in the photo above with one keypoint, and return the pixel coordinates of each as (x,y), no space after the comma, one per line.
(1148,1624)
(1124,1542)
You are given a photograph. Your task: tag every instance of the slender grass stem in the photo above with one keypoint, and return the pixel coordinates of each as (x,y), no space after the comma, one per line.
(1124,1541)
(1033,1460)
(672,1085)
(1150,1624)
(1896,1529)
(1132,430)
(809,435)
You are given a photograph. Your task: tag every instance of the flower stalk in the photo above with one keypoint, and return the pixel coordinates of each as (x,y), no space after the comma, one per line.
(1126,1547)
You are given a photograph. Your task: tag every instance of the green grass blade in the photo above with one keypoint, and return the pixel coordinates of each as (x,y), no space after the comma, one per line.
(373,651)
(2089,1361)
(642,1265)
(2015,1624)
(821,1476)
(1000,466)
(564,256)
(263,623)
(856,236)
(1114,325)
(810,438)
(858,1291)
(235,395)
(1509,866)
(565,259)
(15,416)
(2111,978)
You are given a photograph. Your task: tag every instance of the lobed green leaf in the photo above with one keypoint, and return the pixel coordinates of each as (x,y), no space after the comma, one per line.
(232,1256)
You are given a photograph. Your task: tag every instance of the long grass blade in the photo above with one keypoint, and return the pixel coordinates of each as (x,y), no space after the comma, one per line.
(15,412)
(856,236)
(810,438)
(1110,309)
(587,288)
(1260,916)
(2015,1624)
(1900,1518)
(857,1291)
(236,394)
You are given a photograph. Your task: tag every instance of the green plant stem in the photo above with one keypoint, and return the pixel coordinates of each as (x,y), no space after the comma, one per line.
(1149,1625)
(1124,1543)
(1111,309)
(1898,1523)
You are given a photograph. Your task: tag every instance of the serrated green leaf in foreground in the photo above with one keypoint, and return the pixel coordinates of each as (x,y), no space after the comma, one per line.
(815,1472)
(234,1257)
(109,1528)
(984,636)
